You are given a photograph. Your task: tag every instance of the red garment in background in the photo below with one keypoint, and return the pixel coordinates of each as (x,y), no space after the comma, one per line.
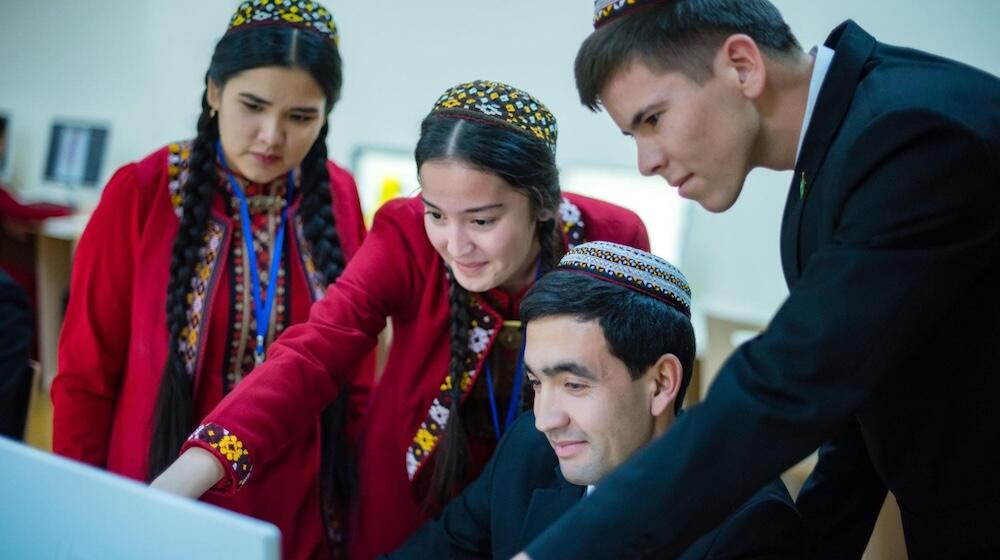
(17,246)
(12,209)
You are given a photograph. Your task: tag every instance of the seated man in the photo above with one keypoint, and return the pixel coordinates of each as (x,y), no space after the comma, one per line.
(609,354)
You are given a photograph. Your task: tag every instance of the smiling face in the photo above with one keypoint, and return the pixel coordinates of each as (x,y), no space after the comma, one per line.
(482,227)
(698,137)
(593,413)
(269,118)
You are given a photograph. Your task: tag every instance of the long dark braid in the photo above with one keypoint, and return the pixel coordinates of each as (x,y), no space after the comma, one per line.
(318,222)
(450,468)
(238,51)
(550,245)
(527,165)
(175,403)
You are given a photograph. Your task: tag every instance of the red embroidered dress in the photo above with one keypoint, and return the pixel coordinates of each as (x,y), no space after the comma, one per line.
(397,274)
(114,340)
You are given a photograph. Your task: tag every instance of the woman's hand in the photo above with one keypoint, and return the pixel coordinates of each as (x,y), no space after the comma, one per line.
(191,475)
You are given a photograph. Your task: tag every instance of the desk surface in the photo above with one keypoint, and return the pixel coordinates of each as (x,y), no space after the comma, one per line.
(67,228)
(84,198)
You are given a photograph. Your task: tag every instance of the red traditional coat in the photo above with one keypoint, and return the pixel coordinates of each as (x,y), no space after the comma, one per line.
(396,274)
(113,345)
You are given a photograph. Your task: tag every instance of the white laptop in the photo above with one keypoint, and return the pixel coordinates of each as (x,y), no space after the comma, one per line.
(54,508)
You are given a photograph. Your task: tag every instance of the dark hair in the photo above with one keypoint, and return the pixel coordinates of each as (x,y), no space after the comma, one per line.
(236,52)
(526,164)
(639,328)
(679,35)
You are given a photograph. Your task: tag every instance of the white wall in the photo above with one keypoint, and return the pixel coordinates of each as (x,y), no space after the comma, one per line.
(733,258)
(139,65)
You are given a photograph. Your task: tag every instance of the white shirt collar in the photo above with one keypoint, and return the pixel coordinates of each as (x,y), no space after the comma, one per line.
(821,64)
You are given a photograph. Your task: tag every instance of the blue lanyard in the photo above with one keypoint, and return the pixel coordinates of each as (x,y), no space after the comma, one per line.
(262,308)
(515,391)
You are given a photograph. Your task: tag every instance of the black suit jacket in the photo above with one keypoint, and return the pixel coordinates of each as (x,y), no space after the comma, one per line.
(889,341)
(522,491)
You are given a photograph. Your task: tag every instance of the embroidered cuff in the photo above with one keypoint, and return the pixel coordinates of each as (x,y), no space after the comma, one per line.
(230,451)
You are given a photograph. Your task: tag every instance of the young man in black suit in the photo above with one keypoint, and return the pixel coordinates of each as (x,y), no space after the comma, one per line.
(609,352)
(886,351)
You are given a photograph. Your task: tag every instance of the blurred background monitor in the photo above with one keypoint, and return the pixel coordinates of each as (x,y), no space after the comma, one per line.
(76,151)
(58,509)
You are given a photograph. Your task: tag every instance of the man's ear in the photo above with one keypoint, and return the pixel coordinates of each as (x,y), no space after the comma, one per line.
(741,61)
(666,384)
(214,93)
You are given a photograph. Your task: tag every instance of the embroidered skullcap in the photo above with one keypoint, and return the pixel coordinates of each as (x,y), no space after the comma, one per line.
(499,103)
(633,269)
(607,10)
(304,14)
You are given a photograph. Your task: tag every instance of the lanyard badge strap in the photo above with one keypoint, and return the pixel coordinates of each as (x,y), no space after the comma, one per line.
(515,391)
(262,309)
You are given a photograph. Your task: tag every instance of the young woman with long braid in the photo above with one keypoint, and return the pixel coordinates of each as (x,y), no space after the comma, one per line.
(449,267)
(201,254)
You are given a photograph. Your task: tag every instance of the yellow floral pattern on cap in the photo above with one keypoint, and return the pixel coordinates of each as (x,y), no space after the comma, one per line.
(503,104)
(298,13)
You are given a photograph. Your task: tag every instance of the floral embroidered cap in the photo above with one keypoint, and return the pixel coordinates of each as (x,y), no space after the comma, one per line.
(498,103)
(304,14)
(633,269)
(607,10)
